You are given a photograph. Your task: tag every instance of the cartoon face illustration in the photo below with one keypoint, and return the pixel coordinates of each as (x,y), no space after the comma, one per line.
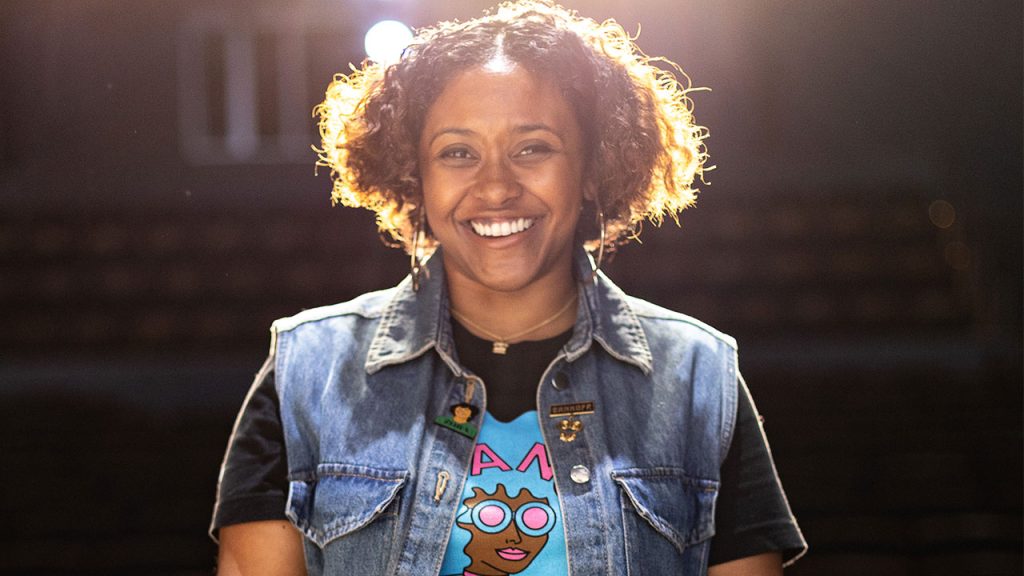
(506,533)
(463,413)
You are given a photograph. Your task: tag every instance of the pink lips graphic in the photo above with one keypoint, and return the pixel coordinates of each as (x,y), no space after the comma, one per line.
(513,554)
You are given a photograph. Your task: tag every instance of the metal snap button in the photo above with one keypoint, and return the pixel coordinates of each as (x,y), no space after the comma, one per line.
(560,381)
(580,474)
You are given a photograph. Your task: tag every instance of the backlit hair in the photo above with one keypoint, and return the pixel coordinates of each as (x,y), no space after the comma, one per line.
(642,149)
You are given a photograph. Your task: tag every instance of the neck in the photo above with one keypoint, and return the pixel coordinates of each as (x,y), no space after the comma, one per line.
(495,315)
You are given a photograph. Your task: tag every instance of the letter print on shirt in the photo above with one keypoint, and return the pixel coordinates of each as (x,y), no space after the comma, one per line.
(509,520)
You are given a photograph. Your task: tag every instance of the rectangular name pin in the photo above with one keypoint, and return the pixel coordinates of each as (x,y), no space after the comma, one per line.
(576,408)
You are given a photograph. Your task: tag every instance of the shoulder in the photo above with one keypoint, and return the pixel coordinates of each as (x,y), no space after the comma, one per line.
(664,323)
(369,306)
(328,329)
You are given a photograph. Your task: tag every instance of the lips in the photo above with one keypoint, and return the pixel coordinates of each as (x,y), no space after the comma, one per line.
(513,554)
(498,228)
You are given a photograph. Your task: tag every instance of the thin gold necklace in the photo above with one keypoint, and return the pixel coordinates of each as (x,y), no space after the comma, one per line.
(500,344)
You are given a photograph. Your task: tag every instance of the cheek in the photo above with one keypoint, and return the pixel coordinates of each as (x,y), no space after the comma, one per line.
(534,542)
(475,536)
(570,188)
(435,200)
(441,191)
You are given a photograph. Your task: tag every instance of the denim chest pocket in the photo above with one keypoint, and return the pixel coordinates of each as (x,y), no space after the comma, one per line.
(668,519)
(342,499)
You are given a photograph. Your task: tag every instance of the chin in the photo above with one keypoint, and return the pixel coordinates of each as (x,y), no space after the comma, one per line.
(505,283)
(510,275)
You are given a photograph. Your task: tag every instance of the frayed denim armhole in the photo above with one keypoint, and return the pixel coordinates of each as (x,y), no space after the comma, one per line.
(731,383)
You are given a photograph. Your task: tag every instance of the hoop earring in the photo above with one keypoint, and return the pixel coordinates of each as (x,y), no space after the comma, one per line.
(415,264)
(600,248)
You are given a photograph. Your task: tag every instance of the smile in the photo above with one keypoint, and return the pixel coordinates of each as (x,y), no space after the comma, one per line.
(514,554)
(500,228)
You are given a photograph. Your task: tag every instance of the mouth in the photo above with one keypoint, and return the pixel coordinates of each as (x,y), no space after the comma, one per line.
(513,554)
(500,228)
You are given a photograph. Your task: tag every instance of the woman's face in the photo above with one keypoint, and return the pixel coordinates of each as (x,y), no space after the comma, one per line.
(501,161)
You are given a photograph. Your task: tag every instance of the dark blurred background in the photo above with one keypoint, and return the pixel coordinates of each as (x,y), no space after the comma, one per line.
(861,237)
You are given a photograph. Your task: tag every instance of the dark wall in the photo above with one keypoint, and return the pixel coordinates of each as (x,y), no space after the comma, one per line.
(860,236)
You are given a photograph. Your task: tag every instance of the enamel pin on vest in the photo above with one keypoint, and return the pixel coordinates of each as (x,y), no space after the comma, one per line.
(570,425)
(459,420)
(462,412)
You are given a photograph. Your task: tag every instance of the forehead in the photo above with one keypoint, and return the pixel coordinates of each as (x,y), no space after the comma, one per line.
(487,97)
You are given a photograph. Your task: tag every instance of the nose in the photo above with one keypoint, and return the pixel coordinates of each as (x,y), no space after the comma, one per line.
(497,183)
(512,535)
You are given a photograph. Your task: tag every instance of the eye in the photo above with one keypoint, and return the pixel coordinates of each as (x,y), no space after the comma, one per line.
(535,518)
(534,149)
(457,153)
(491,516)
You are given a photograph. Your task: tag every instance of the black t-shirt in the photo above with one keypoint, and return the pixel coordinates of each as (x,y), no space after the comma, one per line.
(752,515)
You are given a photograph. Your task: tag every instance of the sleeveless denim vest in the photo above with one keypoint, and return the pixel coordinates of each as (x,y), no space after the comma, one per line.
(374,484)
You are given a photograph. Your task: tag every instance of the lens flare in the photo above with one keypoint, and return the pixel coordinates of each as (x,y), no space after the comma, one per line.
(385,41)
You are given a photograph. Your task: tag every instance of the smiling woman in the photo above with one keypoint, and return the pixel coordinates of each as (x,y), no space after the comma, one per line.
(501,159)
(506,409)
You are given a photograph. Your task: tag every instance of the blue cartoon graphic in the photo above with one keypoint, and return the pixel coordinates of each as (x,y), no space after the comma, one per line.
(506,533)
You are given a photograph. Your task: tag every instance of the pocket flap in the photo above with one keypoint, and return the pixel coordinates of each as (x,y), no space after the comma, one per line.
(680,507)
(341,498)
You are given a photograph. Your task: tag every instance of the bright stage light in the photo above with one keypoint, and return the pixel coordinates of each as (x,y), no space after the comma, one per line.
(385,41)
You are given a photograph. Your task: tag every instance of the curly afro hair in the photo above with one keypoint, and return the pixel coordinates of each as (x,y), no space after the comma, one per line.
(643,149)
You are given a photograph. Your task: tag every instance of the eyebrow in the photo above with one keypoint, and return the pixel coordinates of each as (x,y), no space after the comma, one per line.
(452,130)
(521,129)
(535,127)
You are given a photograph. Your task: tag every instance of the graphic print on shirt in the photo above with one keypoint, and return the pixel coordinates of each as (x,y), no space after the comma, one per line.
(508,521)
(506,533)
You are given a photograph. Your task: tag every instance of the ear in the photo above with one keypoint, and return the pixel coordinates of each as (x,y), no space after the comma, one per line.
(589,190)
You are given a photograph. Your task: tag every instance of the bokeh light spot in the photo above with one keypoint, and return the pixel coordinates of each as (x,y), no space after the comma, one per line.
(942,213)
(958,255)
(385,41)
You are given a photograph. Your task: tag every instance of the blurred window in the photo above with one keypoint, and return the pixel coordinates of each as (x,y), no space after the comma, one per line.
(249,78)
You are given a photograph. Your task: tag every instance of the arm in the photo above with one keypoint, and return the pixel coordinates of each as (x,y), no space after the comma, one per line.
(769,564)
(752,515)
(271,548)
(249,522)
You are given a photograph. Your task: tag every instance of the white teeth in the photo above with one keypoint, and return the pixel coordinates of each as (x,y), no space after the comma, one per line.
(502,228)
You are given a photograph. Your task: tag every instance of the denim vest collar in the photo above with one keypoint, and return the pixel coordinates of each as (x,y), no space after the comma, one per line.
(414,322)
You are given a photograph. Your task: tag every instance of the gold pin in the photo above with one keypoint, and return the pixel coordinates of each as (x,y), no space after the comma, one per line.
(570,425)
